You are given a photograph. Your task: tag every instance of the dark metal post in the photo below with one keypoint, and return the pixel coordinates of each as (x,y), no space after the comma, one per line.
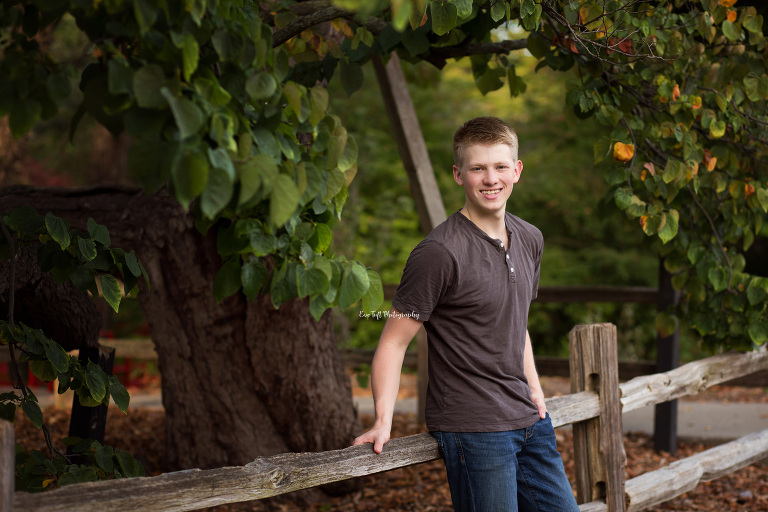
(90,422)
(668,358)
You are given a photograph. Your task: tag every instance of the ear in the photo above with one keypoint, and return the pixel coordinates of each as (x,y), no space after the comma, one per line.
(457,176)
(518,171)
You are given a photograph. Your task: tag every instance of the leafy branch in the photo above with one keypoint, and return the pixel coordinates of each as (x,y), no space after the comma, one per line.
(75,256)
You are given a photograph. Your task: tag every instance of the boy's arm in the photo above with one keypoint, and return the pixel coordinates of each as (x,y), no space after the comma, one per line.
(537,394)
(398,332)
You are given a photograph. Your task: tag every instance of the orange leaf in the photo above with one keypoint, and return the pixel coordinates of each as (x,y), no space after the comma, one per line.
(748,190)
(709,161)
(727,3)
(676,93)
(424,20)
(696,102)
(731,16)
(643,220)
(623,152)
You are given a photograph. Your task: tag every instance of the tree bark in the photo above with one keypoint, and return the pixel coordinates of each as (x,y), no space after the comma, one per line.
(239,380)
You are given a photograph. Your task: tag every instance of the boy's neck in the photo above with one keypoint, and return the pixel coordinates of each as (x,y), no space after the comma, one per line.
(492,225)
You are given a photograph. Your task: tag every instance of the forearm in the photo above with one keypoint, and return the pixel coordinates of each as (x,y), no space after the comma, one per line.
(385,380)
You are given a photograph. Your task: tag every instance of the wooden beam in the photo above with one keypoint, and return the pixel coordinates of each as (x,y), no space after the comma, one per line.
(7,466)
(598,443)
(410,142)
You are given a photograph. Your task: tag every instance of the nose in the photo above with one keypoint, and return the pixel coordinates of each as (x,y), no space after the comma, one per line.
(490,177)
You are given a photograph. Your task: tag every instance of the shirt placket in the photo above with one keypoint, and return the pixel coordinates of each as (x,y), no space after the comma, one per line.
(508,262)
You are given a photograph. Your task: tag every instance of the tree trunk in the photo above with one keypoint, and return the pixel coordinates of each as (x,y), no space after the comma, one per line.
(239,380)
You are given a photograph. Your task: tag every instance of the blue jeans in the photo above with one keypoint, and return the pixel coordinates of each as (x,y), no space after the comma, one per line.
(506,471)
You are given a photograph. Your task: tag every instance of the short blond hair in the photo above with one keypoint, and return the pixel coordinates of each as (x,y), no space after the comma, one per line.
(487,130)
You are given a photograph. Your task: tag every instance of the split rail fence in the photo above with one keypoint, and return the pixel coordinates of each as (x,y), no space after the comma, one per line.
(593,409)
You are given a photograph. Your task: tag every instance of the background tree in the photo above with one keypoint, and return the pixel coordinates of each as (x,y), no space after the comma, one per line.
(225,113)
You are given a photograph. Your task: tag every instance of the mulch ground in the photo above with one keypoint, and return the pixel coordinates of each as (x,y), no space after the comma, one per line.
(424,487)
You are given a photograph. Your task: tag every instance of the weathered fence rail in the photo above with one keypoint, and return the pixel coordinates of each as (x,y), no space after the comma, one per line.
(593,406)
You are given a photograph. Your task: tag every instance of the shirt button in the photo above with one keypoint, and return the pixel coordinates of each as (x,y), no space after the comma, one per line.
(507,256)
(511,269)
(501,244)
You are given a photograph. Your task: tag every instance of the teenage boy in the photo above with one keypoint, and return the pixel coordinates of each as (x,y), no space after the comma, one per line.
(470,283)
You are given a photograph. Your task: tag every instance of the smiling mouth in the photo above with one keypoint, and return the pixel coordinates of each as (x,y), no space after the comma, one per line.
(490,192)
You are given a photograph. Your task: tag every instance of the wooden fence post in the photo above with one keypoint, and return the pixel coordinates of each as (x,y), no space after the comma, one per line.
(7,466)
(598,443)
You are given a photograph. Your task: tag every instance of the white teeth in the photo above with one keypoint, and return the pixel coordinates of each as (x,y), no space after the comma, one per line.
(490,192)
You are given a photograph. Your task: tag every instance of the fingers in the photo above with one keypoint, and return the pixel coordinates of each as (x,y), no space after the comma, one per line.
(370,437)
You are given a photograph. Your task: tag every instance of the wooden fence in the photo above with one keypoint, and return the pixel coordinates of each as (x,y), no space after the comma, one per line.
(594,409)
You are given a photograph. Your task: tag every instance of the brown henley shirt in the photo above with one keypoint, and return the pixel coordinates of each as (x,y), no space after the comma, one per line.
(473,293)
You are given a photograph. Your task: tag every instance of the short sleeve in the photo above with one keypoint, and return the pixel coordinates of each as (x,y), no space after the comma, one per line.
(429,273)
(537,268)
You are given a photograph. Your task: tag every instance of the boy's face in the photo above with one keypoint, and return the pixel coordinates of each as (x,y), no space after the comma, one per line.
(488,174)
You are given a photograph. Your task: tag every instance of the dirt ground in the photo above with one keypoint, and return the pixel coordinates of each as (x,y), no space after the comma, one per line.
(424,487)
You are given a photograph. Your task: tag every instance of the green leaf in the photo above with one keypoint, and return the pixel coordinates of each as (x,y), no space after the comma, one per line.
(283,200)
(87,248)
(133,263)
(260,86)
(718,277)
(354,284)
(119,394)
(189,118)
(111,290)
(103,457)
(293,94)
(190,55)
(43,370)
(717,129)
(498,10)
(758,332)
(321,238)
(666,324)
(464,8)
(99,233)
(190,175)
(253,172)
(311,281)
(26,220)
(695,253)
(730,31)
(757,291)
(145,13)
(374,297)
(253,276)
(147,83)
(489,81)
(669,230)
(221,181)
(351,76)
(96,381)
(57,356)
(444,15)
(673,171)
(58,230)
(227,281)
(33,412)
(318,104)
